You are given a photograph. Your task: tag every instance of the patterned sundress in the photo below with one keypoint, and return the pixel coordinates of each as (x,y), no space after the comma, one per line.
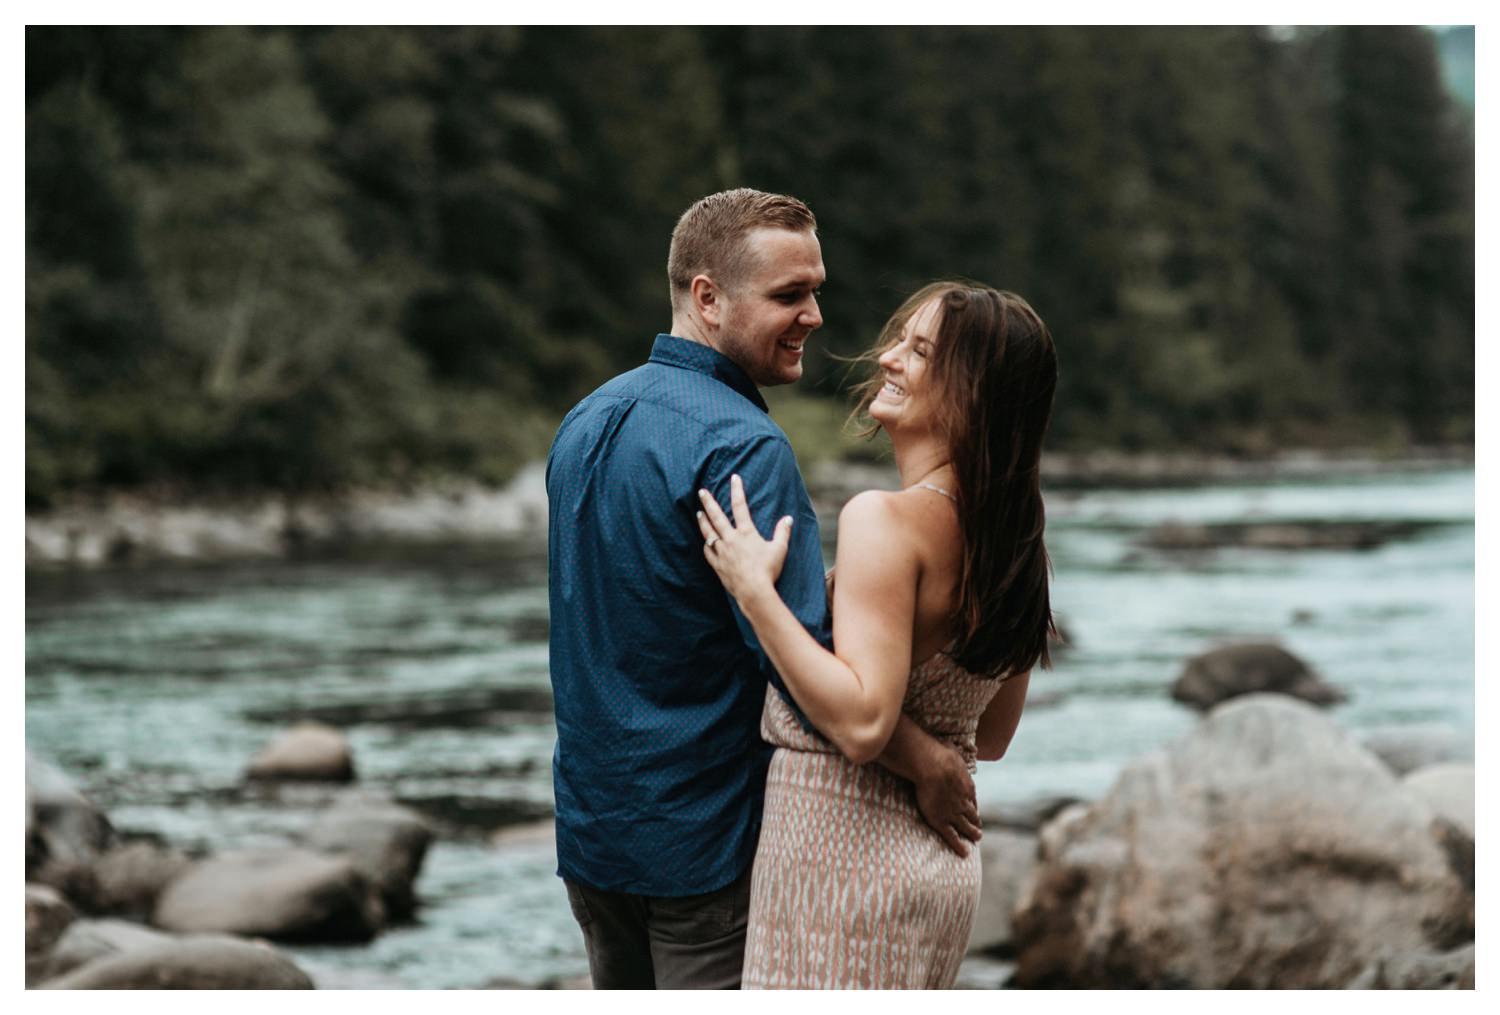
(851,888)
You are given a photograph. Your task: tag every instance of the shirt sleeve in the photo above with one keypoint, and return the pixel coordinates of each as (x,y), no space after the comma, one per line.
(774,489)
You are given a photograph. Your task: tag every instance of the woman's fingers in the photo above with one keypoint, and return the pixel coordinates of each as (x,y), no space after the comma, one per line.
(738,503)
(782,535)
(705,528)
(969,829)
(721,525)
(954,841)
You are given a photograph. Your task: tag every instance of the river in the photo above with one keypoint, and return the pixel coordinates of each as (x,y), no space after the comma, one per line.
(154,686)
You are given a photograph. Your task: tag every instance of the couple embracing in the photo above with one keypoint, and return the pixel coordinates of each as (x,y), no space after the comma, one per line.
(763,774)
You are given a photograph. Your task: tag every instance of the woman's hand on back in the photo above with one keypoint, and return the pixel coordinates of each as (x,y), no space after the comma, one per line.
(747,564)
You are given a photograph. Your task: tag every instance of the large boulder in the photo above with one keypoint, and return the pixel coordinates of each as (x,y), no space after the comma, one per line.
(1229,671)
(307,751)
(386,841)
(1448,790)
(129,877)
(1408,748)
(284,894)
(86,941)
(65,832)
(192,963)
(1008,859)
(1267,849)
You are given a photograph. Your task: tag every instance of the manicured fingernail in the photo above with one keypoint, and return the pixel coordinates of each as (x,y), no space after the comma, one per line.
(700,516)
(702,494)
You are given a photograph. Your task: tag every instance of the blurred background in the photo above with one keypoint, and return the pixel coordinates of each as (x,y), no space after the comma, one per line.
(304,308)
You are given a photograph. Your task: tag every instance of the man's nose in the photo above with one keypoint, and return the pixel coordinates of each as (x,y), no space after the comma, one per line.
(811,317)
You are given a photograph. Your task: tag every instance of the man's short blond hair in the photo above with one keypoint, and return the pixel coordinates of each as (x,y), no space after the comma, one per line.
(710,235)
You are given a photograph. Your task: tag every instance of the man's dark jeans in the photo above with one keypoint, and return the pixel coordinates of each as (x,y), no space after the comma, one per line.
(640,942)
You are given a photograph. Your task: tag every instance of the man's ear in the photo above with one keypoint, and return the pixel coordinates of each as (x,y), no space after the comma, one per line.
(705,297)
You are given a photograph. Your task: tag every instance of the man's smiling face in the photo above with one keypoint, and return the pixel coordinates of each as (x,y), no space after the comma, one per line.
(765,318)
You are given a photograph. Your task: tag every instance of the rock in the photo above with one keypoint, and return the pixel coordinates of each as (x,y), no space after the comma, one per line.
(1008,860)
(86,941)
(1448,790)
(581,982)
(129,877)
(982,972)
(1249,668)
(1267,849)
(326,977)
(1299,534)
(1420,971)
(532,833)
(193,963)
(386,841)
(308,750)
(287,895)
(48,917)
(1026,816)
(1407,748)
(65,832)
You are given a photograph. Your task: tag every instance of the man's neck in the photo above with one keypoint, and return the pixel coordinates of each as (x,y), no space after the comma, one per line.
(691,329)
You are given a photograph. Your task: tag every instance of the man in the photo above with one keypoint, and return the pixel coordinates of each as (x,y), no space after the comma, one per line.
(659,769)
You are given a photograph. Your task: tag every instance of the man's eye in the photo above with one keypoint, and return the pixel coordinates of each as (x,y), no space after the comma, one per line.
(788,297)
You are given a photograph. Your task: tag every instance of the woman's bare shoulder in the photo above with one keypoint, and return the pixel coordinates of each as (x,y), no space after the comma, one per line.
(870,506)
(874,523)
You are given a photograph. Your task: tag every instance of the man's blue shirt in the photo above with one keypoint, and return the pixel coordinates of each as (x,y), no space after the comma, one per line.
(659,769)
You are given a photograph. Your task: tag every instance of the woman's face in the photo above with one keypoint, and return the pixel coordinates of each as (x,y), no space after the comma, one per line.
(905,401)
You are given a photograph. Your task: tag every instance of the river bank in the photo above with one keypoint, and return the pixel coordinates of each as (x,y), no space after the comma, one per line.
(1366,878)
(135,528)
(153,685)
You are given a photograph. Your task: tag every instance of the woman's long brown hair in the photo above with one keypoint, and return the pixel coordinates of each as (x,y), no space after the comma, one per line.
(993,372)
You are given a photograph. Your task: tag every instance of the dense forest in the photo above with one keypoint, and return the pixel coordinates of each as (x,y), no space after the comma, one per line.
(303,259)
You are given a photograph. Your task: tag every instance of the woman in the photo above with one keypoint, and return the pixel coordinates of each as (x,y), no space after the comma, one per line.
(940,609)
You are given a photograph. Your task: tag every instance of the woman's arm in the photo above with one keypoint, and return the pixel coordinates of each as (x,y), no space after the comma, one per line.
(998,722)
(852,695)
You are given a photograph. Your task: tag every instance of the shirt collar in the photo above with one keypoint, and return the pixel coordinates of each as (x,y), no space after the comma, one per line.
(679,352)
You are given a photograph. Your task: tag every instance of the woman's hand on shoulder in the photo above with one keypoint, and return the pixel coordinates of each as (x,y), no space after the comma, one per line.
(747,564)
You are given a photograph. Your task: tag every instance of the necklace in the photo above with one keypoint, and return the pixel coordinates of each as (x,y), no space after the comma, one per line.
(938,489)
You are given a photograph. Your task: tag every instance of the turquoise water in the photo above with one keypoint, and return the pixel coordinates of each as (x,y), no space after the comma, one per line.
(154,687)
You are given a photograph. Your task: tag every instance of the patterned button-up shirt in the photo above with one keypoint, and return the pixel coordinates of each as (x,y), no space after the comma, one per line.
(659,769)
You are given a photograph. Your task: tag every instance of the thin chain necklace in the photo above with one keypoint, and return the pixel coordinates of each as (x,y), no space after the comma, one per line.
(937,489)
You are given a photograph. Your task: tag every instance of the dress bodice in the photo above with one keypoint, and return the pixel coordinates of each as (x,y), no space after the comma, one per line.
(941,697)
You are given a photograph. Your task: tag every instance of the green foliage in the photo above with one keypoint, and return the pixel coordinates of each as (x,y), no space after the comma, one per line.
(312,258)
